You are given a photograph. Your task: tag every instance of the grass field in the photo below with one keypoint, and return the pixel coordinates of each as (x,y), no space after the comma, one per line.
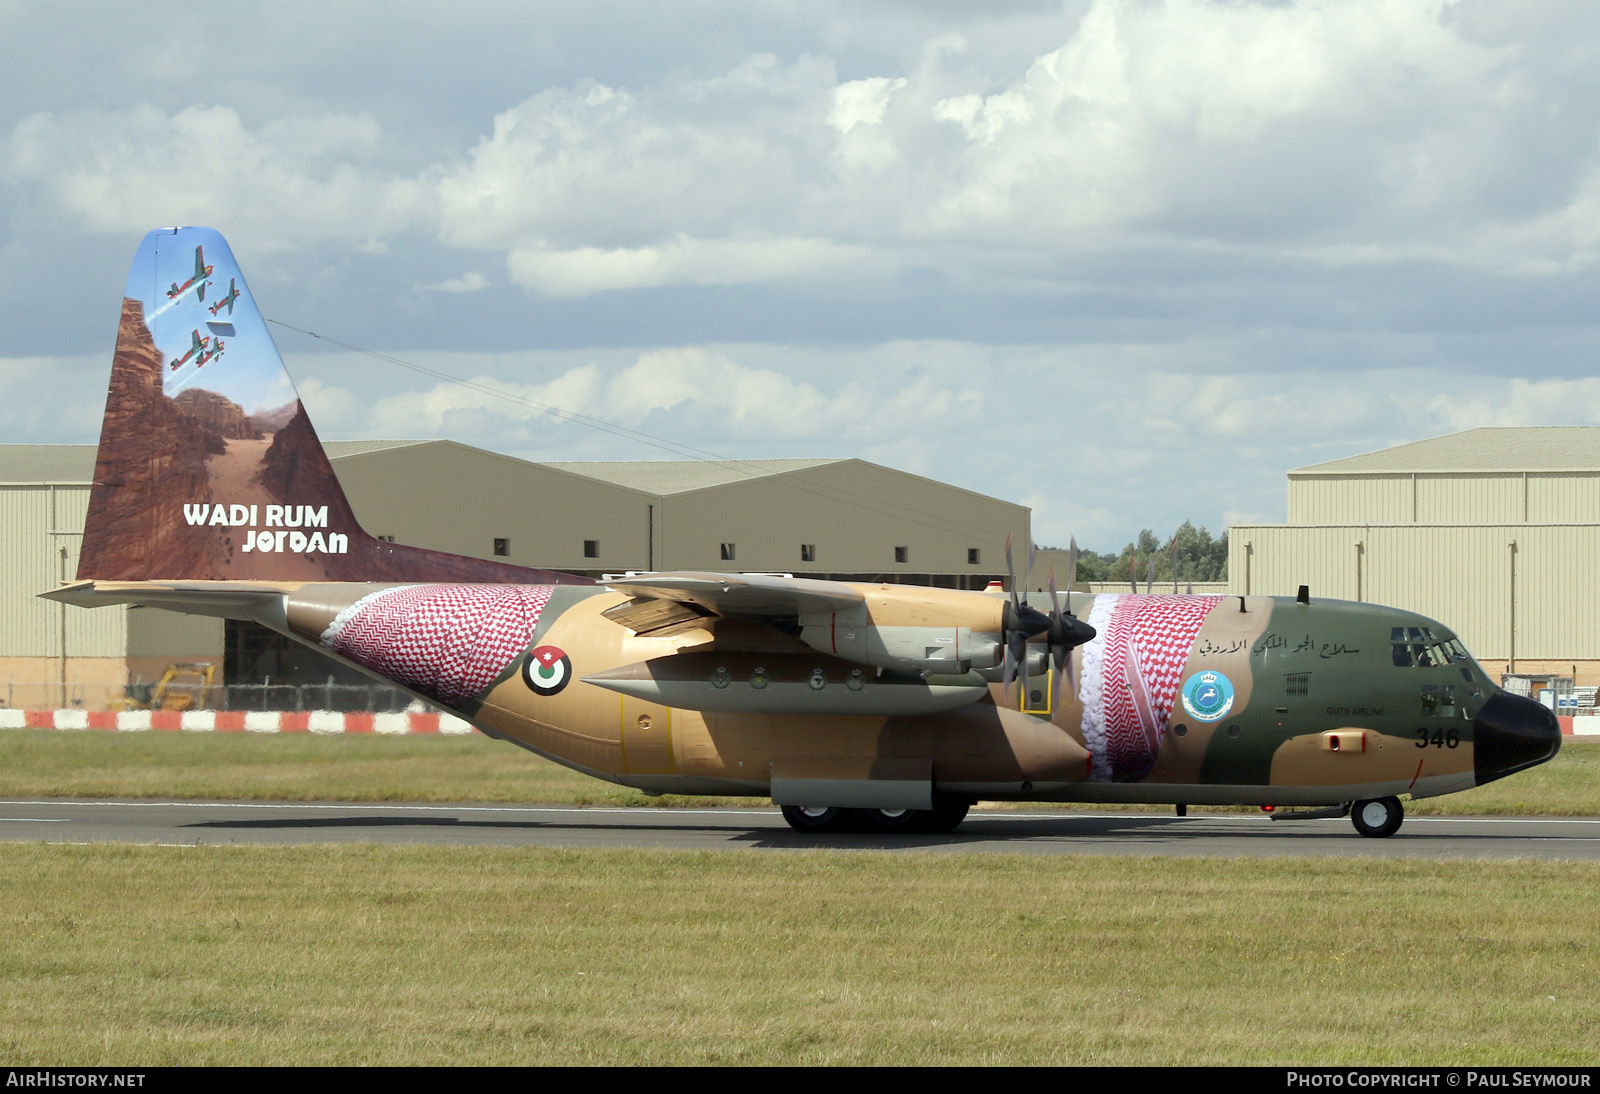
(132,955)
(52,763)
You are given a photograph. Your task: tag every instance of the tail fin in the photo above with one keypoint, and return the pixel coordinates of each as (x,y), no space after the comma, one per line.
(209,469)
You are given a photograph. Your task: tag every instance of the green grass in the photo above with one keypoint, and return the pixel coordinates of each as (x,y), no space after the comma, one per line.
(297,767)
(143,955)
(290,767)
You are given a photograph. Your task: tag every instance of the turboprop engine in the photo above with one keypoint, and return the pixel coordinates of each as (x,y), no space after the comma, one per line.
(932,649)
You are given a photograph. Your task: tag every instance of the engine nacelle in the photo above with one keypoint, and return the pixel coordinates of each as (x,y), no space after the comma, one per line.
(930,649)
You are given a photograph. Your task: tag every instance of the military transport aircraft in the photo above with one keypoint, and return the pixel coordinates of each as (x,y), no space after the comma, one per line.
(850,704)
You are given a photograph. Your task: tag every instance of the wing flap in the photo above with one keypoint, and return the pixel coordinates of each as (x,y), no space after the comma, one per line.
(757,596)
(659,618)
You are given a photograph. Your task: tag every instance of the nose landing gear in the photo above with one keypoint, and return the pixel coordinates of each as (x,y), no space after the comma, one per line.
(1377,817)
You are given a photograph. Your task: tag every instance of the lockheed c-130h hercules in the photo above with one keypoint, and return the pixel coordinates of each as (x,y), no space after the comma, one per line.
(849,704)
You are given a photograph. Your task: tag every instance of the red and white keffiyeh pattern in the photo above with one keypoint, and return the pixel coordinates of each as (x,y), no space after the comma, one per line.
(1131,674)
(447,641)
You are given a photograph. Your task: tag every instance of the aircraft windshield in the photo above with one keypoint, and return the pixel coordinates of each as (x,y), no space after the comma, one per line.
(1420,647)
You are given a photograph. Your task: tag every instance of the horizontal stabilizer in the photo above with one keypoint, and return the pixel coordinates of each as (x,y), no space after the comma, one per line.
(227,599)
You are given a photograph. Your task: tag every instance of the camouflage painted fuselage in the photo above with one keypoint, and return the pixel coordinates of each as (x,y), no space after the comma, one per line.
(1268,701)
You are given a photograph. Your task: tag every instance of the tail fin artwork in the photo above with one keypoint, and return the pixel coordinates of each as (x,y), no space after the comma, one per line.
(209,470)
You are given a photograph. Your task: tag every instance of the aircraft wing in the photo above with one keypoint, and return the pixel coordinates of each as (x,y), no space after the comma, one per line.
(666,603)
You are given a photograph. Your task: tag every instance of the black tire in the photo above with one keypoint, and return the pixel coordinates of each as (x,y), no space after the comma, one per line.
(896,820)
(1377,817)
(815,818)
(946,815)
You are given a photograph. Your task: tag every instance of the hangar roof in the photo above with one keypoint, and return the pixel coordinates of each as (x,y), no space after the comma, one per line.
(682,476)
(74,463)
(46,462)
(1490,449)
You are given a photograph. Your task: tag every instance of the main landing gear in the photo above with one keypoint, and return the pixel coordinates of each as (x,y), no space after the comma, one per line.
(943,817)
(1377,817)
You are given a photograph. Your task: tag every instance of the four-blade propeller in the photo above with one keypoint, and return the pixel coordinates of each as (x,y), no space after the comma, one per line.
(1022,623)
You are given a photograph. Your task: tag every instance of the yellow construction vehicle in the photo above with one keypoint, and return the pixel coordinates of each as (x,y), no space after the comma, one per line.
(184,685)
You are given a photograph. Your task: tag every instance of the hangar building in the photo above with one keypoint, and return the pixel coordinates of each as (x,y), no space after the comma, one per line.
(1494,532)
(837,518)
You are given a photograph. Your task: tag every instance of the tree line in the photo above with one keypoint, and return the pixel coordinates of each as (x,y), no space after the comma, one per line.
(1198,558)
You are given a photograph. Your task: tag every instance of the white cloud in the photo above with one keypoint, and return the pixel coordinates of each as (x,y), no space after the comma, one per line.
(281,185)
(862,102)
(684,261)
(1519,402)
(468,282)
(1356,132)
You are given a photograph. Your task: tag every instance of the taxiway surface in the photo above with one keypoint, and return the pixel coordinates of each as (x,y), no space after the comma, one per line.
(1077,832)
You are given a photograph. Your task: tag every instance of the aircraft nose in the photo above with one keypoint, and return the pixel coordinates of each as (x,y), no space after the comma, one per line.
(1511,733)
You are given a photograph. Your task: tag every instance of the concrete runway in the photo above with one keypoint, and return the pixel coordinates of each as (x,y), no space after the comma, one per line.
(1075,832)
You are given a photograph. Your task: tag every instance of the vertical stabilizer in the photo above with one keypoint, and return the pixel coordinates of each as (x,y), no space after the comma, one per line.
(208,467)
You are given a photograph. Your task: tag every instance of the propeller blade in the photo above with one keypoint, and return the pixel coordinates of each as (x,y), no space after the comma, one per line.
(1011,574)
(1015,662)
(1150,576)
(1072,568)
(1024,659)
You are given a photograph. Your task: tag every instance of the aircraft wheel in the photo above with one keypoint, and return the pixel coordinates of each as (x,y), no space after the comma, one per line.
(1377,817)
(896,820)
(946,814)
(815,818)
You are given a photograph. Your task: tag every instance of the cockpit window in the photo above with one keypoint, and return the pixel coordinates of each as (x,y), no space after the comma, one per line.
(1419,647)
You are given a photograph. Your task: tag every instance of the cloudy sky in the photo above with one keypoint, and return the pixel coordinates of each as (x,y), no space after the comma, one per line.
(1126,262)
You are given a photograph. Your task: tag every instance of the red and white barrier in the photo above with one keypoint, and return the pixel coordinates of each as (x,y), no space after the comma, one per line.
(236,721)
(333,721)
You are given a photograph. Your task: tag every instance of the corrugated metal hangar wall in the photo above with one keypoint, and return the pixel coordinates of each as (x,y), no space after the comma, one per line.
(1493,532)
(827,518)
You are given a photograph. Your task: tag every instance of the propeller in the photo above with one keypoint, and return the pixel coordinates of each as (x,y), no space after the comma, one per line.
(1066,629)
(1061,629)
(1019,622)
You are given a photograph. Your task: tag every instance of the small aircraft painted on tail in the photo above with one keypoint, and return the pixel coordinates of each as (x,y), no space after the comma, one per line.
(197,346)
(849,704)
(198,282)
(227,301)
